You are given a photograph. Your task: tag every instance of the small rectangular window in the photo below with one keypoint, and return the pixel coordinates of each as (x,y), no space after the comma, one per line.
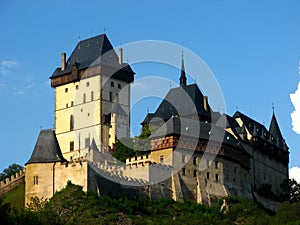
(195,173)
(217,177)
(110,96)
(119,86)
(77,87)
(161,158)
(207,163)
(216,165)
(84,98)
(71,146)
(87,142)
(183,158)
(35,180)
(66,90)
(183,171)
(92,96)
(207,175)
(112,84)
(194,160)
(87,84)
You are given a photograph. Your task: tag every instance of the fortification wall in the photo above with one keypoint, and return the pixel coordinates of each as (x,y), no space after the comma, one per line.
(12,182)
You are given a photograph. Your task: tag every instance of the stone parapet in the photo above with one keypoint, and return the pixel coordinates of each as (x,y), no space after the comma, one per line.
(12,182)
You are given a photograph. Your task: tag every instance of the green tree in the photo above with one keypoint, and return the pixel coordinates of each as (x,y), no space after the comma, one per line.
(124,149)
(11,170)
(291,189)
(141,142)
(288,213)
(4,212)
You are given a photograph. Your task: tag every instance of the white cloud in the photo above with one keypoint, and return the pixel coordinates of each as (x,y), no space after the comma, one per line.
(294,173)
(18,93)
(7,65)
(295,99)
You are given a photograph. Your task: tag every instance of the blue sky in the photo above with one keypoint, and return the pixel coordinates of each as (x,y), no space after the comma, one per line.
(251,46)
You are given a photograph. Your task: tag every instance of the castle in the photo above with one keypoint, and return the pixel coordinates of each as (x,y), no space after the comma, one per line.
(195,153)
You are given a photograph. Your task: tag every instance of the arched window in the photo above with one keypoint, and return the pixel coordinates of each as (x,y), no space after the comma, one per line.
(71,122)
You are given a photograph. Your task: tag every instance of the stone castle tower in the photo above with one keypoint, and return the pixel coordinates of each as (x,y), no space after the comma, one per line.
(89,87)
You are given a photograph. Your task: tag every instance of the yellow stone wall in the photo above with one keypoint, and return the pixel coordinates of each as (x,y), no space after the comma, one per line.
(44,188)
(82,100)
(53,177)
(167,153)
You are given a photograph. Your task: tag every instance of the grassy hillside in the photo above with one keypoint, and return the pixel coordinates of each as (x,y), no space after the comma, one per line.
(16,197)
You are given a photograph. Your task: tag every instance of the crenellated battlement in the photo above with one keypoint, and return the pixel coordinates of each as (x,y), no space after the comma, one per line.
(115,174)
(138,160)
(12,182)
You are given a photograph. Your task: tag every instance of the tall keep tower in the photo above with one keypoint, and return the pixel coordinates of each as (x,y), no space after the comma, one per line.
(86,87)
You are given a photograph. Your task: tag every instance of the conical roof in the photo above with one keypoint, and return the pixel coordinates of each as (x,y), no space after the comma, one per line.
(46,149)
(274,128)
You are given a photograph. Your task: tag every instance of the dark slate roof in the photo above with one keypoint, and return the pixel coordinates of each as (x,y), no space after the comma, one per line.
(148,118)
(93,146)
(88,52)
(195,129)
(181,102)
(227,121)
(274,128)
(254,127)
(117,108)
(46,149)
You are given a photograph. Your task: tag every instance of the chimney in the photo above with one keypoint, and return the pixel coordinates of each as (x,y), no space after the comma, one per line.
(63,61)
(205,103)
(120,56)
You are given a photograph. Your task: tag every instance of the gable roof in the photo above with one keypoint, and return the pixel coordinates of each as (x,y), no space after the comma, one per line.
(46,149)
(181,101)
(87,52)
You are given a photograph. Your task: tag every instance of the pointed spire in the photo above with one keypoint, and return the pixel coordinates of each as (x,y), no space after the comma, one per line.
(254,133)
(93,146)
(274,128)
(182,75)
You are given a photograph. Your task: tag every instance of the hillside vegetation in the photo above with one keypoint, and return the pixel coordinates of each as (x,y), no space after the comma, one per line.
(16,197)
(74,206)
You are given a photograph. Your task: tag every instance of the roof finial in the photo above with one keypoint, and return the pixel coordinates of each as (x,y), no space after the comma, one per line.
(182,78)
(273,107)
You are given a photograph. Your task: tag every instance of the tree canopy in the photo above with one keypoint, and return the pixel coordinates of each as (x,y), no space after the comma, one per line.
(11,170)
(72,205)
